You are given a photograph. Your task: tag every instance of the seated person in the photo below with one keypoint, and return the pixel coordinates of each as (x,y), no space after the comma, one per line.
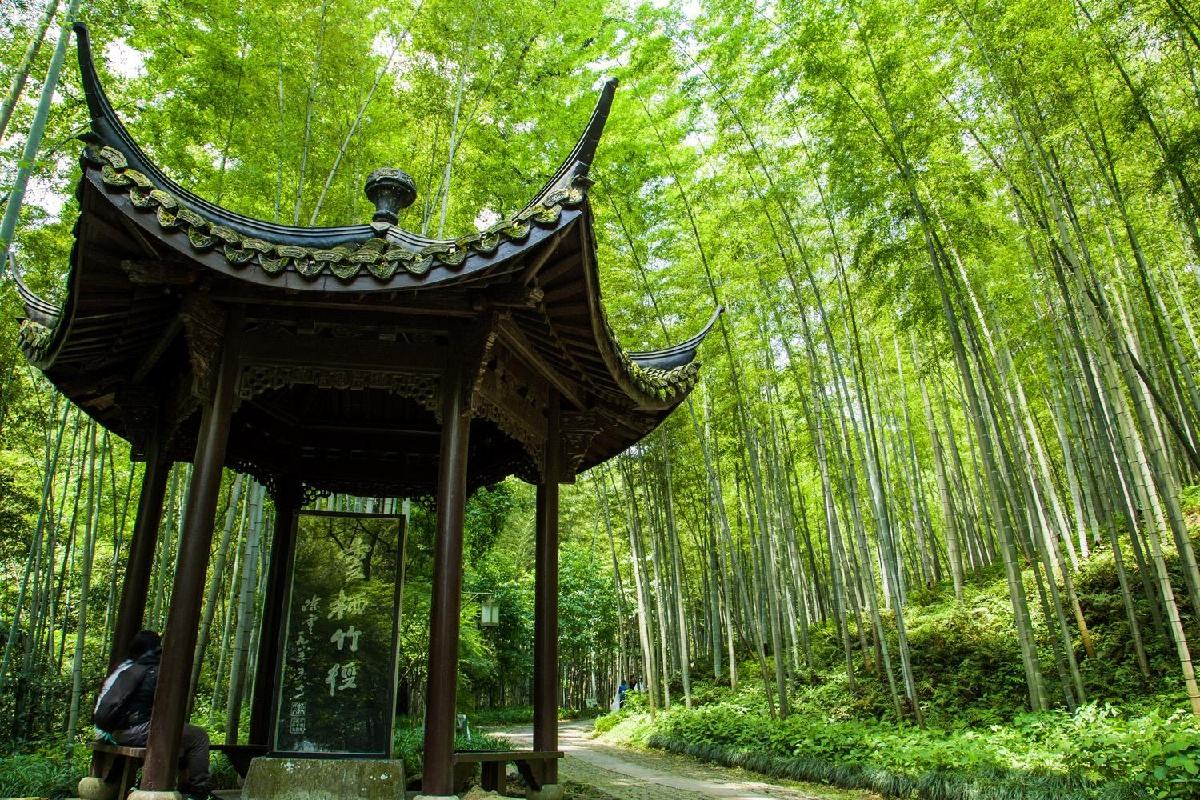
(126,702)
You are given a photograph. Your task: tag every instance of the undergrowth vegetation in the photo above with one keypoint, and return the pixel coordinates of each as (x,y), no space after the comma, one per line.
(1132,739)
(43,773)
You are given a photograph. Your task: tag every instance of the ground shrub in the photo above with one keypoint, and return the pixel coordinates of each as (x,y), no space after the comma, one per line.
(43,772)
(494,717)
(409,745)
(1134,738)
(1097,752)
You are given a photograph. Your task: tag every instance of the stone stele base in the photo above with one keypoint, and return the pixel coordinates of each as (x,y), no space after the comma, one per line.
(322,779)
(96,789)
(549,791)
(146,794)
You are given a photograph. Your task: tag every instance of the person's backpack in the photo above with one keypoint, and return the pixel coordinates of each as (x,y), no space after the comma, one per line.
(110,713)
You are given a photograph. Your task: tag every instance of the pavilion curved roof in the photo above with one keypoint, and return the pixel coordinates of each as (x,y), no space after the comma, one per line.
(357,257)
(105,327)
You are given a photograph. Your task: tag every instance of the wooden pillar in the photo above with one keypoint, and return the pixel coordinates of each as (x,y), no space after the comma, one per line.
(545,599)
(438,778)
(271,631)
(179,640)
(140,562)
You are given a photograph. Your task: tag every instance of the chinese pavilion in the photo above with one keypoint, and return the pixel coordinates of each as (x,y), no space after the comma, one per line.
(363,359)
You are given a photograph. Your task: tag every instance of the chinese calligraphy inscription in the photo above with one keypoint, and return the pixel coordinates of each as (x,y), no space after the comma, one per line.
(341,638)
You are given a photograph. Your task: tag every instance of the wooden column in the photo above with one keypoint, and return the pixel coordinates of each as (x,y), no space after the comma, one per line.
(545,599)
(271,633)
(140,562)
(438,779)
(179,640)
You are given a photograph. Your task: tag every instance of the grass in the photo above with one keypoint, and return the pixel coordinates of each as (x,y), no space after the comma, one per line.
(43,773)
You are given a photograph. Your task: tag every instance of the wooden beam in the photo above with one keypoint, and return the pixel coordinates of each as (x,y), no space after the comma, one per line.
(156,351)
(516,341)
(343,354)
(367,474)
(560,268)
(332,439)
(371,431)
(383,306)
(158,272)
(366,315)
(549,248)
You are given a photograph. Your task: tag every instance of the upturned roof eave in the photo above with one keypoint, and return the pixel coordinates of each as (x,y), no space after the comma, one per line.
(650,386)
(117,172)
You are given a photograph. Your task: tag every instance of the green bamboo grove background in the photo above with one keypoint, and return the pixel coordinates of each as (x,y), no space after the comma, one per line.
(942,458)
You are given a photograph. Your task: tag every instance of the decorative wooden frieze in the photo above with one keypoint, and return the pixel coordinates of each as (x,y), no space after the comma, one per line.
(259,378)
(181,403)
(482,362)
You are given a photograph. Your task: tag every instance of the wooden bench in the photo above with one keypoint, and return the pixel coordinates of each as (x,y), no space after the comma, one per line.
(118,764)
(492,765)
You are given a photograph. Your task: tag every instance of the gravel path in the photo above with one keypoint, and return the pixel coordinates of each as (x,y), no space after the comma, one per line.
(627,774)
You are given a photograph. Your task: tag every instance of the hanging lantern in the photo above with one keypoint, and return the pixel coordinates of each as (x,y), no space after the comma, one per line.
(489,613)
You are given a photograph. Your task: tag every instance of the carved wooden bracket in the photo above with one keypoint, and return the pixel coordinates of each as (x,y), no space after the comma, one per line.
(478,346)
(204,329)
(515,398)
(577,431)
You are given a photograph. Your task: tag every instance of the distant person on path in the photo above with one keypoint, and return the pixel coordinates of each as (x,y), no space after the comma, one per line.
(621,691)
(126,702)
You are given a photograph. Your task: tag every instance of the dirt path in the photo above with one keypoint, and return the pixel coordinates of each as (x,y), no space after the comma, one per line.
(627,774)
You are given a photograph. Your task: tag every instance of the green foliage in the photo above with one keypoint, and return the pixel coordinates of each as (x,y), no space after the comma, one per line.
(498,717)
(1096,752)
(18,503)
(44,772)
(978,742)
(409,741)
(588,623)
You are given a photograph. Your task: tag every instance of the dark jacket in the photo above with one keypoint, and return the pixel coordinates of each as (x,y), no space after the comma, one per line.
(128,694)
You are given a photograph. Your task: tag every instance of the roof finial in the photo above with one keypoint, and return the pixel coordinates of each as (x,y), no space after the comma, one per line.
(390,190)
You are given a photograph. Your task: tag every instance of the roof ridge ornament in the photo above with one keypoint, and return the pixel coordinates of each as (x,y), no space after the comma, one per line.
(390,190)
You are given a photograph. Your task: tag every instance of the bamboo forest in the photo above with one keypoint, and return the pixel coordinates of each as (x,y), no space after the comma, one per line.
(925,526)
